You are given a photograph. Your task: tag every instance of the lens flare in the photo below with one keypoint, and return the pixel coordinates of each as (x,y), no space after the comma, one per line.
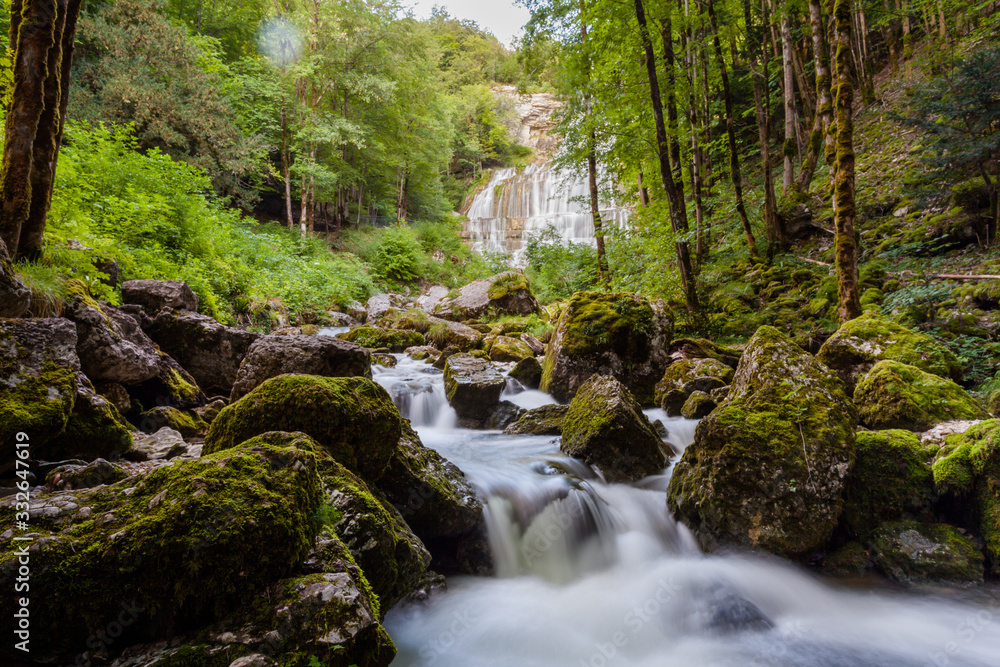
(279,41)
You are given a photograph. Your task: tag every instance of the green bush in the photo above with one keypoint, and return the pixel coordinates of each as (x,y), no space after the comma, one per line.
(397,255)
(557,269)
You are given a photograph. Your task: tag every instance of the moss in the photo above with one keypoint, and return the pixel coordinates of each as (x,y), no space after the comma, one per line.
(186,543)
(895,395)
(505,348)
(891,478)
(683,371)
(352,417)
(413,319)
(187,423)
(596,321)
(374,338)
(95,429)
(851,560)
(37,404)
(178,386)
(546,420)
(508,283)
(909,551)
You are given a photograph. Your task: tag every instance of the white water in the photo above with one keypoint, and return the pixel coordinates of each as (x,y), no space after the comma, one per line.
(514,205)
(590,574)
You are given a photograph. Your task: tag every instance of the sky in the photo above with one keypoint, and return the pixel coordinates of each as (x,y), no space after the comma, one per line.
(500,17)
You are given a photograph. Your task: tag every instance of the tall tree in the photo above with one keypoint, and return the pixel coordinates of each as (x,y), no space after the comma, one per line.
(848,298)
(595,206)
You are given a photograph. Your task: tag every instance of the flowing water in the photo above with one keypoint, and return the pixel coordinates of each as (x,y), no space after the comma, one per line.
(591,574)
(514,205)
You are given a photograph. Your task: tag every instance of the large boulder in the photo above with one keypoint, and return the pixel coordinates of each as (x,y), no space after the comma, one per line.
(155,295)
(439,504)
(185,544)
(701,348)
(767,468)
(967,473)
(891,479)
(110,344)
(606,428)
(395,340)
(546,420)
(528,372)
(271,356)
(376,306)
(211,352)
(913,552)
(624,336)
(473,386)
(173,386)
(686,376)
(506,293)
(95,428)
(864,341)
(507,348)
(445,333)
(353,418)
(15,297)
(895,395)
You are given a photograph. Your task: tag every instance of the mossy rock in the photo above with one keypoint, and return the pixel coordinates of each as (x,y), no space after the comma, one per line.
(528,372)
(395,340)
(423,352)
(851,560)
(701,348)
(443,334)
(697,406)
(188,423)
(505,348)
(895,395)
(969,472)
(506,293)
(473,386)
(862,342)
(620,335)
(413,319)
(891,479)
(185,544)
(546,420)
(606,428)
(683,371)
(913,552)
(95,429)
(768,466)
(353,418)
(172,386)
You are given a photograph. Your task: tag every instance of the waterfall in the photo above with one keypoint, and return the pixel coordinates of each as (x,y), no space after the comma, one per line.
(516,204)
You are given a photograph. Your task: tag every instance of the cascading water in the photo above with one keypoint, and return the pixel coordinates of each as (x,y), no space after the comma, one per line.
(593,575)
(514,205)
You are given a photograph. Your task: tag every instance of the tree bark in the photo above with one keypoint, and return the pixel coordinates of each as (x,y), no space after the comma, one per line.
(756,46)
(734,158)
(678,215)
(821,138)
(789,148)
(849,305)
(595,204)
(35,37)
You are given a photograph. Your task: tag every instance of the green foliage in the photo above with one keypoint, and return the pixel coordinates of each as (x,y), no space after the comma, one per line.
(557,269)
(396,256)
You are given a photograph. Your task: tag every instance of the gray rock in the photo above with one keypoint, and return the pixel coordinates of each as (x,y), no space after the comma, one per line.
(376,307)
(95,473)
(164,444)
(110,344)
(506,414)
(336,319)
(546,420)
(327,356)
(537,346)
(154,295)
(506,293)
(15,297)
(432,298)
(473,386)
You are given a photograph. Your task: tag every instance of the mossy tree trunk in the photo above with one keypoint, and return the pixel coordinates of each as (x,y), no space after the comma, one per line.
(849,305)
(821,139)
(42,34)
(678,214)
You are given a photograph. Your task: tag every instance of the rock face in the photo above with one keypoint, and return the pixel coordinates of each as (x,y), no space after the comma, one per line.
(155,295)
(620,335)
(861,343)
(15,297)
(504,294)
(395,340)
(211,352)
(271,356)
(473,386)
(606,428)
(110,344)
(352,418)
(891,479)
(894,395)
(376,307)
(95,428)
(909,551)
(546,420)
(767,468)
(968,473)
(249,513)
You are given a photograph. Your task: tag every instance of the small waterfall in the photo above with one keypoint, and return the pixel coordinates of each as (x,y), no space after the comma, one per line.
(417,389)
(514,205)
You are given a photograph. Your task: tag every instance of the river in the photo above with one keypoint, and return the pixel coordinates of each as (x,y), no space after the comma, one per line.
(591,574)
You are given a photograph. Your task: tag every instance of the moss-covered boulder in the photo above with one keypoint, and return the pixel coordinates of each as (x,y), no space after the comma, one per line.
(700,348)
(394,340)
(506,348)
(891,479)
(427,353)
(186,422)
(528,372)
(506,293)
(895,395)
(183,545)
(693,374)
(697,406)
(271,356)
(606,428)
(768,466)
(413,319)
(862,342)
(353,418)
(912,552)
(95,428)
(211,352)
(546,420)
(439,504)
(445,333)
(968,474)
(473,387)
(624,336)
(172,386)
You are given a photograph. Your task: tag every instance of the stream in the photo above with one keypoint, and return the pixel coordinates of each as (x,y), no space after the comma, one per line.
(592,574)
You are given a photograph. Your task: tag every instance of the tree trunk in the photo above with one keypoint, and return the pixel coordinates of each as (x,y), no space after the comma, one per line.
(821,138)
(678,215)
(734,158)
(756,47)
(595,205)
(849,305)
(790,146)
(35,36)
